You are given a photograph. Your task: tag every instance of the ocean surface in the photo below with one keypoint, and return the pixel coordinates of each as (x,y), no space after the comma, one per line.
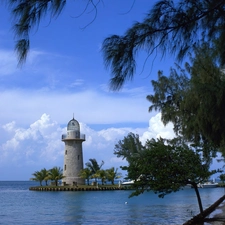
(18,205)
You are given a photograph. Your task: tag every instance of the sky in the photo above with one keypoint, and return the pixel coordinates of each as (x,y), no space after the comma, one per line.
(64,75)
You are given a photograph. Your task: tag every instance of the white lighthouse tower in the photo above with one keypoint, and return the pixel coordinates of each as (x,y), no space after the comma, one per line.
(73,154)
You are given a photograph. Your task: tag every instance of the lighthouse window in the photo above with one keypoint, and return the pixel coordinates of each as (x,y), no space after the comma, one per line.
(66,152)
(78,157)
(65,167)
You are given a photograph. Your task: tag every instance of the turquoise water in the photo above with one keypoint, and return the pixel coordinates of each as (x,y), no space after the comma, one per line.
(21,206)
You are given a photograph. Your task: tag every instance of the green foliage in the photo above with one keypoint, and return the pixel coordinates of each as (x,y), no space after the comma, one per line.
(108,174)
(113,174)
(86,174)
(40,176)
(194,100)
(28,14)
(37,176)
(94,167)
(45,174)
(169,26)
(164,166)
(129,148)
(56,174)
(168,96)
(222,177)
(174,27)
(206,97)
(102,175)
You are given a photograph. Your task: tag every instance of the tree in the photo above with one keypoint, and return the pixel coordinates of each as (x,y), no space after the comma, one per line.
(167,166)
(173,27)
(37,177)
(222,177)
(28,14)
(86,174)
(129,148)
(194,100)
(102,175)
(40,176)
(45,175)
(56,174)
(95,176)
(170,26)
(112,174)
(93,166)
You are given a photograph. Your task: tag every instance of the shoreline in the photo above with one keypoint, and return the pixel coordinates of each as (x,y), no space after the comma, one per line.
(216,219)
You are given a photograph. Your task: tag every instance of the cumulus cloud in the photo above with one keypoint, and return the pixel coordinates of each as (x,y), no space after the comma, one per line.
(9,126)
(39,145)
(157,129)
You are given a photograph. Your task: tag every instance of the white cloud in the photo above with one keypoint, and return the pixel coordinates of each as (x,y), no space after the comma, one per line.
(40,144)
(10,144)
(9,126)
(157,129)
(113,133)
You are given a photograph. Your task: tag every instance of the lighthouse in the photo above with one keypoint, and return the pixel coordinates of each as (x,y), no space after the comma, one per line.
(73,154)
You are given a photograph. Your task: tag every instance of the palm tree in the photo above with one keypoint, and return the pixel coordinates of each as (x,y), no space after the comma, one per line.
(45,174)
(37,177)
(86,174)
(102,175)
(95,176)
(40,176)
(56,174)
(94,167)
(112,174)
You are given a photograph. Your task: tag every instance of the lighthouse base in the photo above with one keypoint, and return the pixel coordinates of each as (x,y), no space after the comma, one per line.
(73,181)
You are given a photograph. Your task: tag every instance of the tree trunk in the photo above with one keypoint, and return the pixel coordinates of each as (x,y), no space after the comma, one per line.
(199,198)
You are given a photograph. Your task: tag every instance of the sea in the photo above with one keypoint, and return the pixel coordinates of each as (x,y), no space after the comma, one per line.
(19,205)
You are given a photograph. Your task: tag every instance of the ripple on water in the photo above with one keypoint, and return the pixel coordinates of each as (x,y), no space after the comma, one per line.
(21,206)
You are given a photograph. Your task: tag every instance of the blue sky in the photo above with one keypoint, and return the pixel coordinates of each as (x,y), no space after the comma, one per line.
(64,75)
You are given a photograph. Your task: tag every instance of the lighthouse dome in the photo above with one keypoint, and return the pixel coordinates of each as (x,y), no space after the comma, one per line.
(73,125)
